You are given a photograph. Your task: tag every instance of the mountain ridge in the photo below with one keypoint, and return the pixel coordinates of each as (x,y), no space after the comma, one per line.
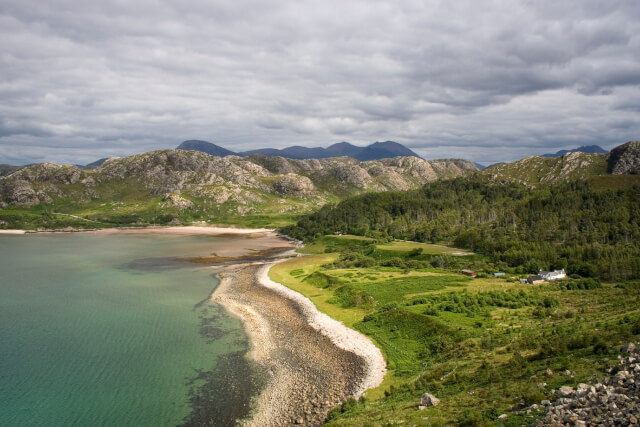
(375,151)
(145,188)
(592,149)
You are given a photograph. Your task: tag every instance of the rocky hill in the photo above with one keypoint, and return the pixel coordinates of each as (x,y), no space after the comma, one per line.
(209,186)
(536,170)
(625,159)
(615,170)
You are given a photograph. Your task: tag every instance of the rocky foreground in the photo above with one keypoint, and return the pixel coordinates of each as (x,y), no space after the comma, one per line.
(309,373)
(613,401)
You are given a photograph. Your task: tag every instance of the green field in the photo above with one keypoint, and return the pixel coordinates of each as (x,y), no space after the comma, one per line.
(480,345)
(427,248)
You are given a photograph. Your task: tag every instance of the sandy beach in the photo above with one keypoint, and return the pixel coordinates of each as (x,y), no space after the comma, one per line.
(183,230)
(315,362)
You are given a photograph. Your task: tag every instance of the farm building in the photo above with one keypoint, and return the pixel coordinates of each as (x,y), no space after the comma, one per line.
(552,275)
(534,280)
(469,273)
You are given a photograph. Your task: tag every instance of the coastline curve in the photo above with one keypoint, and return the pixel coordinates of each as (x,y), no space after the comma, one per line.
(314,361)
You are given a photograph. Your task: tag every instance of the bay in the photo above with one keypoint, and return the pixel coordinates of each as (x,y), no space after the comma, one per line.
(117,330)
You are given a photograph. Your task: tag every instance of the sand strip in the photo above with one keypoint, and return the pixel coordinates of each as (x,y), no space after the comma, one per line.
(315,362)
(188,229)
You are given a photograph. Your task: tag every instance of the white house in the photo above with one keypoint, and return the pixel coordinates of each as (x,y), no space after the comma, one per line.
(552,275)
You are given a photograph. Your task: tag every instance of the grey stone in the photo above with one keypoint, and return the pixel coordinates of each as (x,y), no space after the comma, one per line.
(565,391)
(428,399)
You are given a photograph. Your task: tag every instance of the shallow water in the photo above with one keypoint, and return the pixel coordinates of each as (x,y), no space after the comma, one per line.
(117,330)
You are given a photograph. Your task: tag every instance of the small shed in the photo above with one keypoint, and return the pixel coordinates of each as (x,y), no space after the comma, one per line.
(469,273)
(534,280)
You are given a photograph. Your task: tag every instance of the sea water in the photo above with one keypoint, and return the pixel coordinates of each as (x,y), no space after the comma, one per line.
(115,330)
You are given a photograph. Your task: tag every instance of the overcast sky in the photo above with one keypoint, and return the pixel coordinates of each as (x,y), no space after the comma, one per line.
(483,80)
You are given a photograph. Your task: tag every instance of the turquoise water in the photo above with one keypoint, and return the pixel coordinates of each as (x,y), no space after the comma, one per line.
(109,330)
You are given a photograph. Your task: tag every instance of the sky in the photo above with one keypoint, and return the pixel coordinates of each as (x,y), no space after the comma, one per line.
(486,81)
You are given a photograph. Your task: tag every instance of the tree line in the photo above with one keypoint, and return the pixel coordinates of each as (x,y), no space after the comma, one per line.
(567,225)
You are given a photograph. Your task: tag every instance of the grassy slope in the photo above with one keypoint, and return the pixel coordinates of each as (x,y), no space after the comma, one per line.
(127,203)
(487,354)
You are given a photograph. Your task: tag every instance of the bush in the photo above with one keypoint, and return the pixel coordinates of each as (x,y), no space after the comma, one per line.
(394,262)
(415,252)
(600,347)
(347,296)
(473,418)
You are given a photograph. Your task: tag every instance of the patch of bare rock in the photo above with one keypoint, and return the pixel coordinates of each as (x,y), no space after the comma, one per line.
(613,401)
(625,159)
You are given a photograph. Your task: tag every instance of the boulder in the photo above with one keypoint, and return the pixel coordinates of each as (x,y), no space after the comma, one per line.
(565,391)
(628,348)
(177,201)
(428,399)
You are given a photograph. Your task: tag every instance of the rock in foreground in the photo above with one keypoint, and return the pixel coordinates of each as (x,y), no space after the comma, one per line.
(614,401)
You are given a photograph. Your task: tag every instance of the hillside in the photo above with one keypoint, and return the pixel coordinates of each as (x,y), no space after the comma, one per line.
(616,170)
(178,185)
(536,170)
(493,351)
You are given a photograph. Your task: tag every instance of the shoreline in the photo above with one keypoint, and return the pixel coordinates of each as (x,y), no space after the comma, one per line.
(184,229)
(315,362)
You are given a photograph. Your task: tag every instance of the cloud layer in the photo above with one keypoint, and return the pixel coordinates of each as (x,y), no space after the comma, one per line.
(487,81)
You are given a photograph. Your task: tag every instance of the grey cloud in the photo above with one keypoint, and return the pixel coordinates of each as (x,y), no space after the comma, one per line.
(92,79)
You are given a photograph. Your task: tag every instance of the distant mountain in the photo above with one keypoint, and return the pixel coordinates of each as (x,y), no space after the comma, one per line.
(294,152)
(205,147)
(93,165)
(479,166)
(343,149)
(8,169)
(384,150)
(376,151)
(593,149)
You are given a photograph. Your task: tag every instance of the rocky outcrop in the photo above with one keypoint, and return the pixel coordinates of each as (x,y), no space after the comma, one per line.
(17,192)
(294,185)
(625,159)
(177,201)
(614,401)
(49,172)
